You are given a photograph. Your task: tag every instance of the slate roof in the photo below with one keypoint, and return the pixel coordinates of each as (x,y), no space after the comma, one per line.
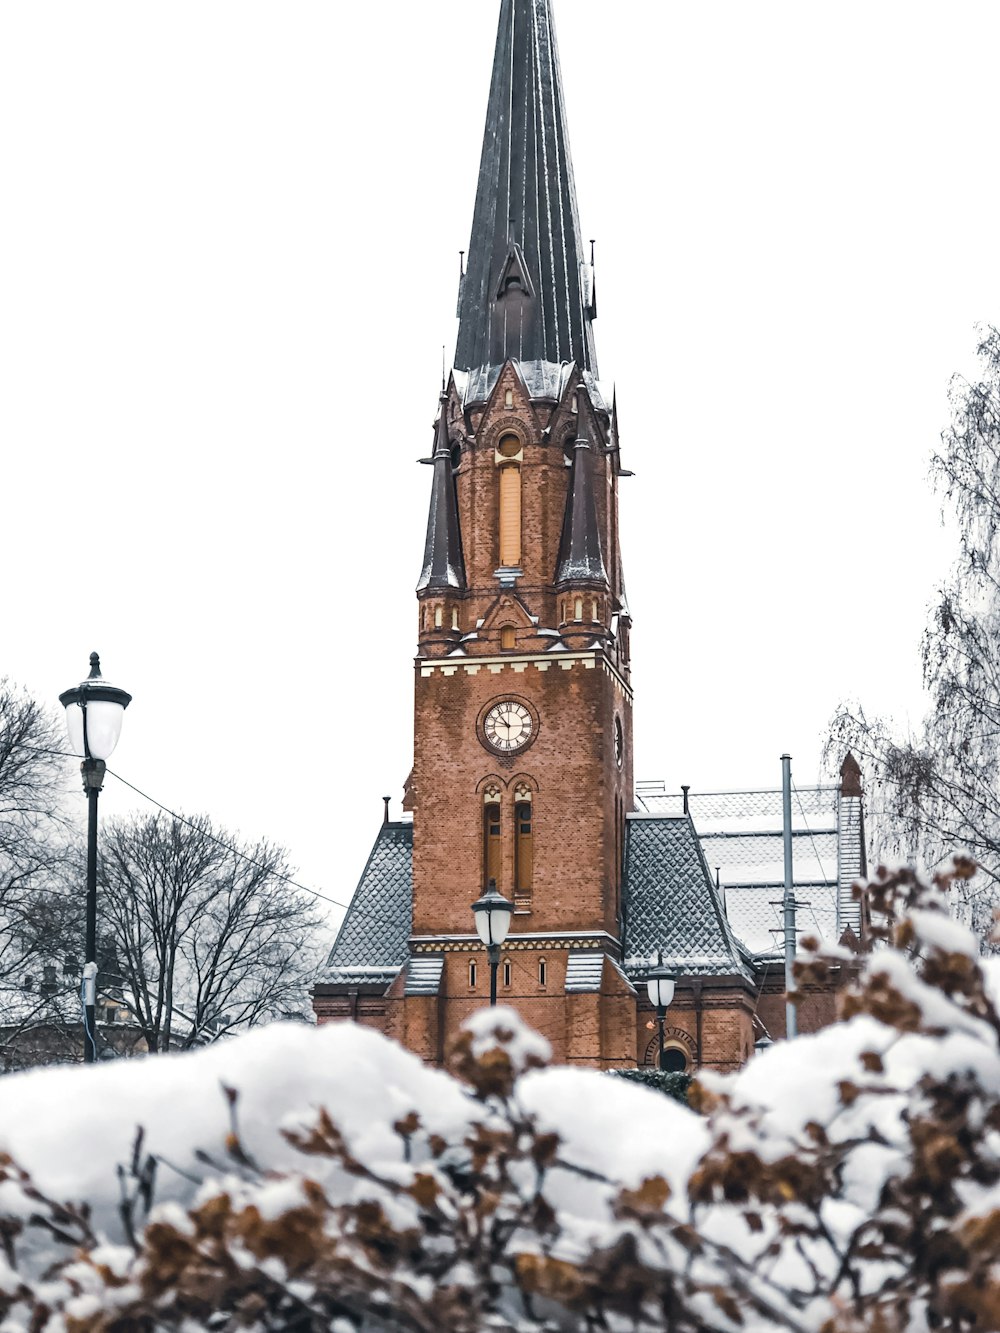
(580,558)
(527,293)
(373,941)
(741,835)
(585,970)
(671,902)
(443,564)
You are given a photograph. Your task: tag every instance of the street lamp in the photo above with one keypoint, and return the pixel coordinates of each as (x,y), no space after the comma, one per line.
(493,916)
(660,983)
(94,712)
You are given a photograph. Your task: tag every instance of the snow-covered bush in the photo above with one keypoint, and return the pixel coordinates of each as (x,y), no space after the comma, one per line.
(326,1180)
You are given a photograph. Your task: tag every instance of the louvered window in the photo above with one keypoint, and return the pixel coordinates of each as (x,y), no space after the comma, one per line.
(510,515)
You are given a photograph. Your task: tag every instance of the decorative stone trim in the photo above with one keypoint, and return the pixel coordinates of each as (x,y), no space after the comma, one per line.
(518,665)
(512,944)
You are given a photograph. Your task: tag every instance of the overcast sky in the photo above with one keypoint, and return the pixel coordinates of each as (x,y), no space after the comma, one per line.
(229,240)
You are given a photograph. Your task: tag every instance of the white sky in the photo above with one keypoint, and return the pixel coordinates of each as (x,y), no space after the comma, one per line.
(229,247)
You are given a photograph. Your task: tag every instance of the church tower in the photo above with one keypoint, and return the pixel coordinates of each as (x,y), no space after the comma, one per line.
(522,770)
(522,746)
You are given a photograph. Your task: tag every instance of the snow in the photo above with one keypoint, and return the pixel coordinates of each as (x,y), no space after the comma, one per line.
(71,1128)
(505,1027)
(616,1127)
(282,1072)
(944,932)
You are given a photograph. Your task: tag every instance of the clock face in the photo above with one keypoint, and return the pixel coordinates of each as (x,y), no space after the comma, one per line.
(508,726)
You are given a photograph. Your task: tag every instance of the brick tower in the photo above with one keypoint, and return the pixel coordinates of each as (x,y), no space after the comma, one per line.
(522,769)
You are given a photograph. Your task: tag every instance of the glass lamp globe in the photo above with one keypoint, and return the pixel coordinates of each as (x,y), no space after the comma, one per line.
(94,712)
(660,984)
(493,915)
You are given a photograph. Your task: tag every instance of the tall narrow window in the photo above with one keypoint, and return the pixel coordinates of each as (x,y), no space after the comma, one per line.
(507,638)
(437,617)
(423,617)
(472,974)
(454,618)
(523,849)
(578,609)
(508,458)
(593,610)
(506,973)
(542,972)
(491,843)
(510,515)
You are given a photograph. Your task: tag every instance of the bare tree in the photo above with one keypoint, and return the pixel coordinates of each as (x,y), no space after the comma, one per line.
(37,977)
(209,937)
(939,790)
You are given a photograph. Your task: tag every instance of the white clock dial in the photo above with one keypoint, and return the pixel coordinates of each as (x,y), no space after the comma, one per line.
(508,726)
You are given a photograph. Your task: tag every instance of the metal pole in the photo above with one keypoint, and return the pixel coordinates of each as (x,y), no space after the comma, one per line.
(93,772)
(660,1013)
(494,956)
(791,1015)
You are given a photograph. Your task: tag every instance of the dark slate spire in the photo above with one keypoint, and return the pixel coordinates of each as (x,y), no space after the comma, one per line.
(580,557)
(527,290)
(443,563)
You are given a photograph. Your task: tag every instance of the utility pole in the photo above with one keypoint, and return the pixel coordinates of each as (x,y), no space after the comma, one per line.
(791,1015)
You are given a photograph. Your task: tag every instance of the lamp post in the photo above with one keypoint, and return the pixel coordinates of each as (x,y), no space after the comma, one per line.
(493,915)
(94,712)
(660,984)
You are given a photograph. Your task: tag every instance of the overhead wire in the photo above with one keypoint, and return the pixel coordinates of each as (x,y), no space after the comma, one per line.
(234,851)
(287,879)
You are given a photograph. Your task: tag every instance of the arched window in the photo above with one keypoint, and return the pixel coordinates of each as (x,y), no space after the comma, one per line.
(674,1060)
(508,398)
(578,609)
(523,844)
(454,618)
(506,972)
(491,839)
(507,638)
(437,617)
(594,610)
(509,450)
(423,618)
(542,972)
(472,973)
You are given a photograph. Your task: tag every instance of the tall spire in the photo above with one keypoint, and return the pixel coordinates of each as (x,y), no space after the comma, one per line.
(580,558)
(443,564)
(527,293)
